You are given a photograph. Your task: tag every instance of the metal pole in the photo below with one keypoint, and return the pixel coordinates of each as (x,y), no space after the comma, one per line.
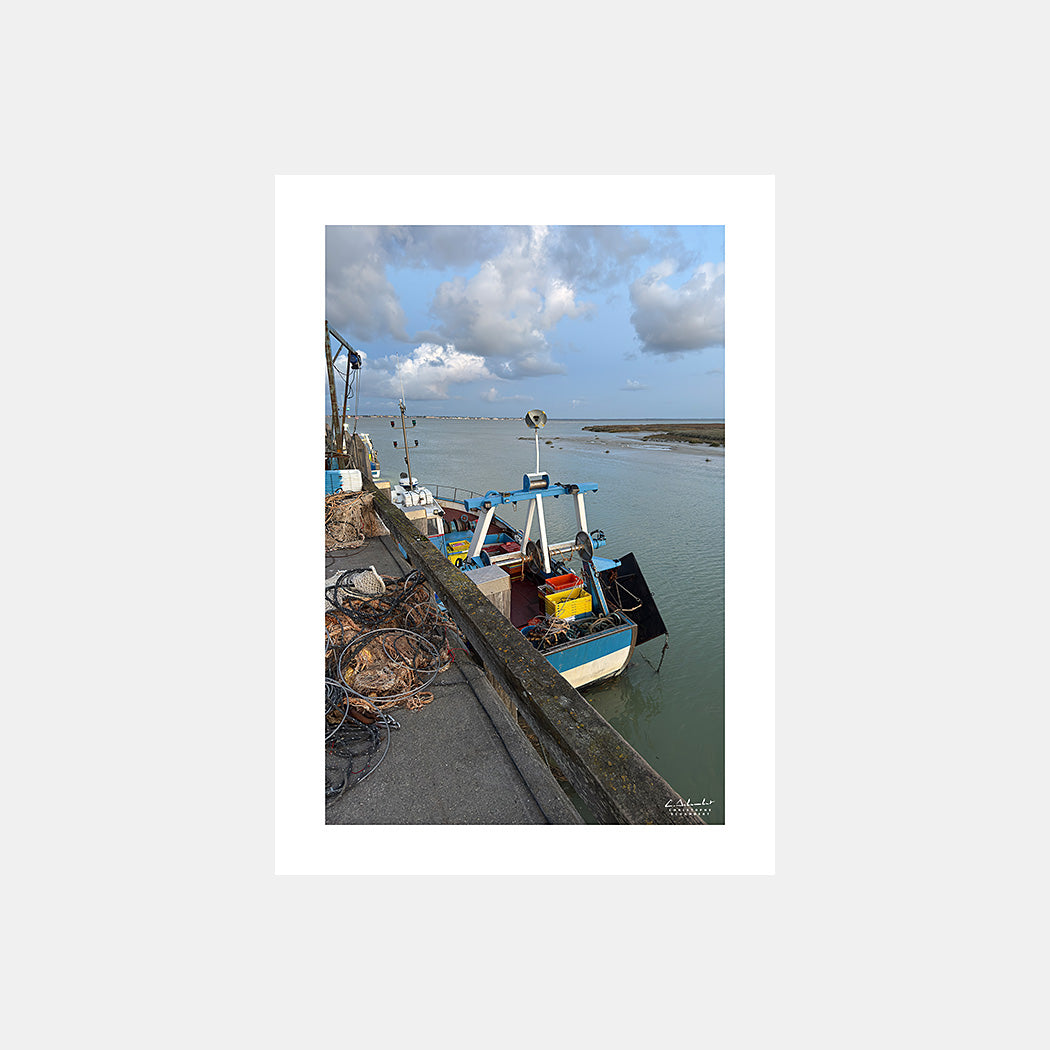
(338,437)
(346,390)
(404,434)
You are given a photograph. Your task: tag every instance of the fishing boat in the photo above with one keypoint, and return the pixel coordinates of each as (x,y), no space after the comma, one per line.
(586,622)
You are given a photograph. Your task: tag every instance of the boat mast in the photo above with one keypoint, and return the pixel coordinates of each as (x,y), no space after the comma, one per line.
(404,434)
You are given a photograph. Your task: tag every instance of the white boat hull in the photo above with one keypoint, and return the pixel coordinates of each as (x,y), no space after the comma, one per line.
(589,660)
(594,671)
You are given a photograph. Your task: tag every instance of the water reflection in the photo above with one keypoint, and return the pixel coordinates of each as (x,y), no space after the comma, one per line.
(623,701)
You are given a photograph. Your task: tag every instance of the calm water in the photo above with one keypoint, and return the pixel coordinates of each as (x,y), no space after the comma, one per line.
(665,505)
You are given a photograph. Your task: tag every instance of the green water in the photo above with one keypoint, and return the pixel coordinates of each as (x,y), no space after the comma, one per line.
(667,505)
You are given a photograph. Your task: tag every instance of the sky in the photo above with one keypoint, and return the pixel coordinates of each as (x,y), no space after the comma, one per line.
(589,322)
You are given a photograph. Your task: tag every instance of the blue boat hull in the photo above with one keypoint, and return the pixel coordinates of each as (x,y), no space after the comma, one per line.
(584,661)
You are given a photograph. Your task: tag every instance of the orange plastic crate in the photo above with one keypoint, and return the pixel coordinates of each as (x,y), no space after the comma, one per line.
(561,583)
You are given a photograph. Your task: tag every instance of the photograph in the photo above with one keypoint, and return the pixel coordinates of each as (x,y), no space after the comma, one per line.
(525,467)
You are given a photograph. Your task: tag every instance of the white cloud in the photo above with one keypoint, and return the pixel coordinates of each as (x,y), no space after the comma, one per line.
(519,292)
(514,286)
(441,246)
(538,364)
(427,373)
(358,295)
(671,320)
(594,257)
(507,307)
(492,395)
(634,384)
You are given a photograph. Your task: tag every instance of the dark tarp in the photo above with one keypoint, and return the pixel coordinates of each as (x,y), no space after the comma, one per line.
(625,587)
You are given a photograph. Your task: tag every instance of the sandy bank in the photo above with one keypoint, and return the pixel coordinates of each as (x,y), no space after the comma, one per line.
(705,434)
(630,442)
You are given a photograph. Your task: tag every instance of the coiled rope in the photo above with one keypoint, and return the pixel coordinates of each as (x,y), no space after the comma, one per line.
(549,631)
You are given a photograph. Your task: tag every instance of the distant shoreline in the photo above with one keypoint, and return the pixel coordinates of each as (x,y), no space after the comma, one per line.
(651,423)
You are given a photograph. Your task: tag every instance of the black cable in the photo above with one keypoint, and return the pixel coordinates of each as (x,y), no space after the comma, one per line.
(352,741)
(335,694)
(346,745)
(371,609)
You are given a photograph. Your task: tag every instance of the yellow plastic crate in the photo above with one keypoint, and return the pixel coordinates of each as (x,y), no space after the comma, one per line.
(567,603)
(455,551)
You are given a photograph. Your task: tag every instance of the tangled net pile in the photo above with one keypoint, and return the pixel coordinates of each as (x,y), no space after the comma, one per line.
(549,631)
(349,519)
(381,652)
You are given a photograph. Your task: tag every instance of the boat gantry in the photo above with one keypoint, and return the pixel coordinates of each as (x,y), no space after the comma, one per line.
(586,623)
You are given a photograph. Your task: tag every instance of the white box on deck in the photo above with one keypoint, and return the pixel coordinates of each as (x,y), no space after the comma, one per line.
(494,583)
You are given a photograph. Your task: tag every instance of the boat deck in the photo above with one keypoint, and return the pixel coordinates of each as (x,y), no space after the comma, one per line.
(461,759)
(525,602)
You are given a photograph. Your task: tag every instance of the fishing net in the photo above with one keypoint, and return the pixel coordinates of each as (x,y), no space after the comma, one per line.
(349,519)
(385,649)
(390,667)
(382,650)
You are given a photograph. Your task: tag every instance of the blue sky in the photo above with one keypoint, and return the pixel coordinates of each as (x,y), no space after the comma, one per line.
(581,321)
